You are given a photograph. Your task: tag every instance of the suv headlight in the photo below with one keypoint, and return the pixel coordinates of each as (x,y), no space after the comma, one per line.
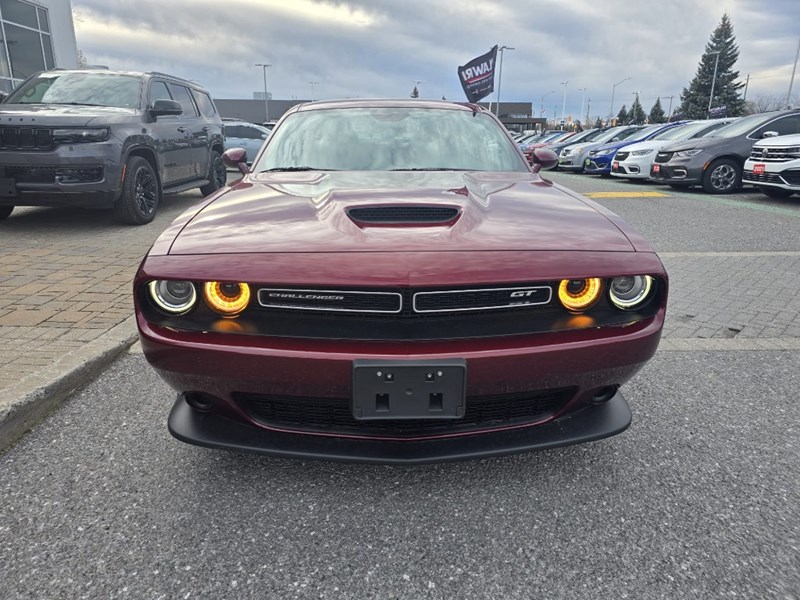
(641,152)
(79,135)
(688,153)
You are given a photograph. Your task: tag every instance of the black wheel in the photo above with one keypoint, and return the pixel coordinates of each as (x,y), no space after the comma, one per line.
(774,192)
(217,174)
(5,211)
(141,193)
(722,177)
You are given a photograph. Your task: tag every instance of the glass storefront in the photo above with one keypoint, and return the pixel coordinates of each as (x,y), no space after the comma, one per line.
(27,44)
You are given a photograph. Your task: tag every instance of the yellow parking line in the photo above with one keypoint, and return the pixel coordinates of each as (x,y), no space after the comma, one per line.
(626,195)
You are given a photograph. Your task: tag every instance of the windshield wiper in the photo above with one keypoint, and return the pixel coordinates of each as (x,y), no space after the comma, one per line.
(290,169)
(73,103)
(429,169)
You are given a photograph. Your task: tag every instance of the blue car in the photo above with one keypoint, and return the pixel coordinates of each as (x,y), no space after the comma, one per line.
(599,160)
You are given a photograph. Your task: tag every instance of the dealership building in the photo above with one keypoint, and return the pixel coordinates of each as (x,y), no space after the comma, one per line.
(37,35)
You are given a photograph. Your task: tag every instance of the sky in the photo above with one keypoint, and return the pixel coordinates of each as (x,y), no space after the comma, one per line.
(382,48)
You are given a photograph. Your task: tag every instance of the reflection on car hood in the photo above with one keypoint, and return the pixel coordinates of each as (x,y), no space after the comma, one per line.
(47,115)
(307,212)
(710,142)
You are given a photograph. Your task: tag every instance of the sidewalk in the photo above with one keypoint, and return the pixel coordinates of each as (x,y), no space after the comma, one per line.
(65,302)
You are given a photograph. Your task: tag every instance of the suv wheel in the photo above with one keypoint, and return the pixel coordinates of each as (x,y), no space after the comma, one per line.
(217,174)
(722,176)
(5,211)
(774,192)
(141,193)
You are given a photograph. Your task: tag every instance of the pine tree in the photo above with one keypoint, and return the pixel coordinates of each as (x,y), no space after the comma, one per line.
(415,92)
(636,115)
(694,99)
(622,116)
(657,114)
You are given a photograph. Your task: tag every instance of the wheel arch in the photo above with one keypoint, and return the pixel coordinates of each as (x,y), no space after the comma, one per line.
(150,156)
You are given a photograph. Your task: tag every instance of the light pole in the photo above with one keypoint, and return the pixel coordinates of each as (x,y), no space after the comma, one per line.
(541,106)
(564,104)
(713,81)
(500,76)
(791,81)
(583,98)
(312,84)
(265,66)
(614,89)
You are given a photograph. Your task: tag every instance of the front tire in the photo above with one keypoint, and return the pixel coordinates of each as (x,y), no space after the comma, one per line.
(722,177)
(774,192)
(5,211)
(141,193)
(217,174)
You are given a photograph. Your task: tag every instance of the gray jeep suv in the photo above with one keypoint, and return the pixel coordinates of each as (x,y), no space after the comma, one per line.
(107,139)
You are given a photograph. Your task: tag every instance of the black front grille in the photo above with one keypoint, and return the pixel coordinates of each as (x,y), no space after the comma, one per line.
(621,156)
(25,138)
(403,214)
(330,300)
(31,174)
(791,177)
(335,416)
(663,157)
(764,177)
(459,300)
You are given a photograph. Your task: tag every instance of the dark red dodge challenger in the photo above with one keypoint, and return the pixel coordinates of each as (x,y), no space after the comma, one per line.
(391,282)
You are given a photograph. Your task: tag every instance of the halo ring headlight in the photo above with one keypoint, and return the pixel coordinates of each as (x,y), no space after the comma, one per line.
(630,291)
(577,295)
(228,299)
(173,296)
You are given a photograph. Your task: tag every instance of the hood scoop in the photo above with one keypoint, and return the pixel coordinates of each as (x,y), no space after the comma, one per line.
(404,215)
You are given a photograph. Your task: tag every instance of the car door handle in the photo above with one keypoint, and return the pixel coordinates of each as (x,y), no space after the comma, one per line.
(182,129)
(205,129)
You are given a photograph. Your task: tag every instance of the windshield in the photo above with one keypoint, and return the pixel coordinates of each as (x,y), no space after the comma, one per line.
(92,89)
(742,126)
(641,134)
(682,132)
(390,139)
(609,134)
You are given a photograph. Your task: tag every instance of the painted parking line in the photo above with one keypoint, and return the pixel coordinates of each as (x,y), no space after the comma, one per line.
(626,195)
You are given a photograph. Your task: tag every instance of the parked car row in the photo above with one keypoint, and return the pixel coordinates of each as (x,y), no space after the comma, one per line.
(719,154)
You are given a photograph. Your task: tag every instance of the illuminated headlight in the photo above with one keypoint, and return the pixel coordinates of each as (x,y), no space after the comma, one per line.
(79,135)
(641,152)
(630,291)
(688,153)
(173,297)
(606,151)
(579,294)
(228,299)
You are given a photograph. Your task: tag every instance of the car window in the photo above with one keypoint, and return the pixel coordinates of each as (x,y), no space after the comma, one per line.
(204,103)
(251,133)
(159,91)
(233,131)
(182,95)
(391,138)
(785,126)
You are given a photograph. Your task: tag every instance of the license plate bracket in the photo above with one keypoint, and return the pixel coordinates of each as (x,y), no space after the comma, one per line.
(759,168)
(400,389)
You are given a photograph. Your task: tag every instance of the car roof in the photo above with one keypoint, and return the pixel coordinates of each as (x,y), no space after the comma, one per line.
(139,74)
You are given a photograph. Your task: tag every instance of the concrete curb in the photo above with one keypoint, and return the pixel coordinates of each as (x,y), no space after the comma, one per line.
(29,401)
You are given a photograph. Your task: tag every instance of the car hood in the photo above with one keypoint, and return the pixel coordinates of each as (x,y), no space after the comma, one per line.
(309,212)
(647,145)
(47,115)
(710,142)
(781,141)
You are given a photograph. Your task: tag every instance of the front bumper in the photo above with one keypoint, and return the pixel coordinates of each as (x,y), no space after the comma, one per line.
(35,178)
(572,162)
(598,165)
(592,423)
(678,172)
(633,167)
(783,175)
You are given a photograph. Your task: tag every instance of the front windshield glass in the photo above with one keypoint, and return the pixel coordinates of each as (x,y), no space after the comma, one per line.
(390,139)
(641,134)
(742,126)
(89,89)
(682,132)
(609,135)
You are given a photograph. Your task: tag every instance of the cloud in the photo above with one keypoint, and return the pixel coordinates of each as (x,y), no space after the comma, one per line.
(380,47)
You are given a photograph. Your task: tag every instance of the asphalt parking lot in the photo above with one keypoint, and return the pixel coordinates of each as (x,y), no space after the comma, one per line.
(698,499)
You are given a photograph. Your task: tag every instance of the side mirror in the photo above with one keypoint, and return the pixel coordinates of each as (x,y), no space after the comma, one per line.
(615,138)
(164,107)
(769,134)
(543,159)
(236,158)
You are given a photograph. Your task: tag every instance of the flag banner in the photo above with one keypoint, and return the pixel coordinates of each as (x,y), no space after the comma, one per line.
(477,76)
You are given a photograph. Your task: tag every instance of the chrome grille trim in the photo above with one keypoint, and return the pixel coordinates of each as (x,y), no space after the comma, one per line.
(321,296)
(518,303)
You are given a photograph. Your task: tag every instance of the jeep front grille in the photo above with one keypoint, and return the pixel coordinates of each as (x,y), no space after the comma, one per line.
(26,138)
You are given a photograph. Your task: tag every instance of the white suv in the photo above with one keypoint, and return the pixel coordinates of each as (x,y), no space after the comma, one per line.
(774,166)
